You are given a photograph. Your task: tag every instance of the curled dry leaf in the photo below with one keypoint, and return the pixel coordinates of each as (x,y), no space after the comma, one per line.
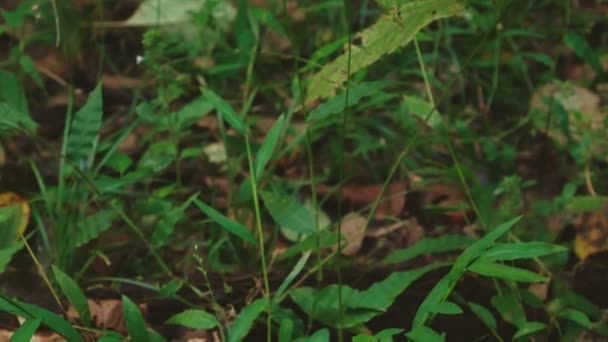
(353,226)
(106,314)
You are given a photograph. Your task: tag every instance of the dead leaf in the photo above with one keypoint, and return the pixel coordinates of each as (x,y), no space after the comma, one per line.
(592,234)
(23,216)
(353,226)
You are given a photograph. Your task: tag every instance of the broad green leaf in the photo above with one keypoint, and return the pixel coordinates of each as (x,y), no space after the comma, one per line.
(6,254)
(321,335)
(288,212)
(359,306)
(524,250)
(171,288)
(579,204)
(26,331)
(442,289)
(74,294)
(364,338)
(226,223)
(268,146)
(583,50)
(195,319)
(385,36)
(337,104)
(167,223)
(510,308)
(225,110)
(529,328)
(239,329)
(425,334)
(292,275)
(485,315)
(134,320)
(48,318)
(325,238)
(447,308)
(92,226)
(14,112)
(444,243)
(83,136)
(576,316)
(386,335)
(158,156)
(286,330)
(423,110)
(172,12)
(188,114)
(495,270)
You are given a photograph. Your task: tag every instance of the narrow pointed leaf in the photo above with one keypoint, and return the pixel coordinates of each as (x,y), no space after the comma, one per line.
(225,110)
(74,294)
(268,146)
(495,270)
(226,223)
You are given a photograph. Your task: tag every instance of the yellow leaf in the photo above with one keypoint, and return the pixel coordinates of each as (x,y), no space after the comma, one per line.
(20,217)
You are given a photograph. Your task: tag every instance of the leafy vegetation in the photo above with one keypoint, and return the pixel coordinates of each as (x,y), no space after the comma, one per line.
(303,171)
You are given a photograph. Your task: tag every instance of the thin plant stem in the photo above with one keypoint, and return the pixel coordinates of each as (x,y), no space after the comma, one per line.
(258,219)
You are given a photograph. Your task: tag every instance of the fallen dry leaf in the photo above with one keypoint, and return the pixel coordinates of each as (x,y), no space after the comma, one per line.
(353,225)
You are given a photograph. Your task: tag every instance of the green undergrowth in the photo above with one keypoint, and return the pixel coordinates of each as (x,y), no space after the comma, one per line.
(337,93)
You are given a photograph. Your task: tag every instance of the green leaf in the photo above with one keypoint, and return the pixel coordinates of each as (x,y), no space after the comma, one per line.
(525,250)
(495,270)
(285,330)
(288,212)
(337,104)
(158,156)
(268,146)
(81,144)
(292,275)
(485,315)
(134,320)
(325,238)
(576,316)
(442,289)
(583,50)
(386,335)
(529,328)
(226,223)
(423,110)
(321,335)
(383,37)
(6,254)
(447,308)
(425,334)
(26,331)
(196,319)
(225,110)
(358,306)
(364,338)
(239,329)
(578,204)
(14,112)
(173,12)
(50,319)
(188,114)
(92,226)
(440,244)
(74,294)
(167,223)
(510,308)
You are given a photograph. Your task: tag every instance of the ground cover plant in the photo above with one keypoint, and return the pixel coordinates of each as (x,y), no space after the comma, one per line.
(228,170)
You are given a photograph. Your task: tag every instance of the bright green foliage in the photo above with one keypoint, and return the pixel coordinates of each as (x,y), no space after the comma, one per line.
(48,318)
(288,212)
(242,324)
(84,132)
(268,146)
(196,319)
(439,244)
(134,320)
(74,294)
(359,306)
(226,223)
(390,32)
(26,331)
